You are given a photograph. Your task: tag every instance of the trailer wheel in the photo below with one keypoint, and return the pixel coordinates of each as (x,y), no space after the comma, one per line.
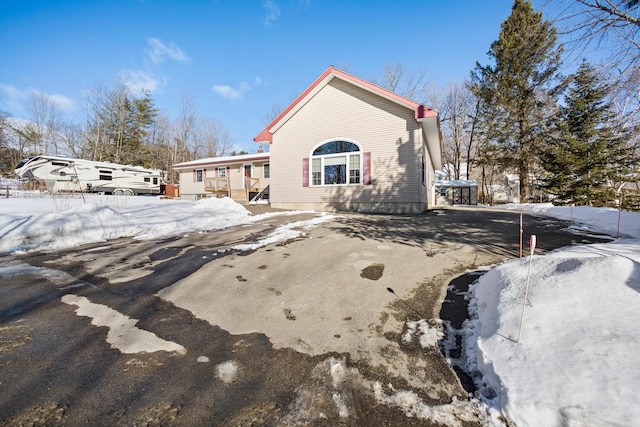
(127,192)
(118,192)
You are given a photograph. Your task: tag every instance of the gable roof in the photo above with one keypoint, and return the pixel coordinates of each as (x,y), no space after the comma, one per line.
(421,112)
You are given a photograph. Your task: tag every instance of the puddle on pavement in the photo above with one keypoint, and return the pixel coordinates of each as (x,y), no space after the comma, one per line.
(454,313)
(372,272)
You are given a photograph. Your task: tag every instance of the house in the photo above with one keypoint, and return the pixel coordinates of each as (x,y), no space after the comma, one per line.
(348,144)
(244,178)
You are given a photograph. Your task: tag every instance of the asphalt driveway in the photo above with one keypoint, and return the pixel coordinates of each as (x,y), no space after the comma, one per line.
(339,326)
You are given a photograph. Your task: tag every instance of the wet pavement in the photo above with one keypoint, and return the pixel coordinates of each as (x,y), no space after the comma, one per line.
(342,325)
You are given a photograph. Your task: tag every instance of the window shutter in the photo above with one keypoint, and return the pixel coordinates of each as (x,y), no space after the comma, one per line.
(366,168)
(194,175)
(305,172)
(204,173)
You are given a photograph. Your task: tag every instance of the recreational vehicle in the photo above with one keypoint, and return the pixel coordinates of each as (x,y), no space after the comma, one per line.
(62,174)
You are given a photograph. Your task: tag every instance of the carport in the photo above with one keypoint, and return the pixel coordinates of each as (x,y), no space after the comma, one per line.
(456,192)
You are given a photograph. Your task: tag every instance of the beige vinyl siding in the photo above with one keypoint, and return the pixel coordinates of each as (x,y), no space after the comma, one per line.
(341,110)
(235,172)
(187,185)
(236,175)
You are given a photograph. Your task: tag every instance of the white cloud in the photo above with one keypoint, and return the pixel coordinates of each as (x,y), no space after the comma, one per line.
(12,98)
(258,81)
(16,100)
(272,12)
(65,104)
(139,80)
(232,93)
(147,79)
(158,51)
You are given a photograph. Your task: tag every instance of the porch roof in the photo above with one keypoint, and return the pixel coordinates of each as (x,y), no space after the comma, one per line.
(224,160)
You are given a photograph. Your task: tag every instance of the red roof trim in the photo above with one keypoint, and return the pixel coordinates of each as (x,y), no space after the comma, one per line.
(421,111)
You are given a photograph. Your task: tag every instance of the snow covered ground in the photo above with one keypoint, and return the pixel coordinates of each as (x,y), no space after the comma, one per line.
(37,222)
(574,363)
(576,360)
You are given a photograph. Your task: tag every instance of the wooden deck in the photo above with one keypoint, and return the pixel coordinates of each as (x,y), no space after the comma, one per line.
(221,187)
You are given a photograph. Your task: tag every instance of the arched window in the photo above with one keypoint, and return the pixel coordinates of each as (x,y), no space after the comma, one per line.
(336,162)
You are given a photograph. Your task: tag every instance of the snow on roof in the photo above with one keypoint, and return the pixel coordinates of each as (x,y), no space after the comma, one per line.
(457,183)
(223,159)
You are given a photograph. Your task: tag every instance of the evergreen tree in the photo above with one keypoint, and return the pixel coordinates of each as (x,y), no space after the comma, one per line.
(518,92)
(588,154)
(122,126)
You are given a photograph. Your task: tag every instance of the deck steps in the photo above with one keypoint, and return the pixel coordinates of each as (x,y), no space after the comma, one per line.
(239,195)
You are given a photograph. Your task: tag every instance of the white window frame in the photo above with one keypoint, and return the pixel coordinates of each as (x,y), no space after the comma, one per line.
(222,171)
(199,175)
(326,158)
(266,171)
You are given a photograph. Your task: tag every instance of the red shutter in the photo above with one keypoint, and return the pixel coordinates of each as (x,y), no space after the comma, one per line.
(194,175)
(204,173)
(366,168)
(305,172)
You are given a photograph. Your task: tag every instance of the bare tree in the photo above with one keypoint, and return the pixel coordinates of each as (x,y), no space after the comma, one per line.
(611,28)
(161,147)
(9,156)
(458,120)
(605,25)
(72,140)
(118,101)
(397,79)
(216,140)
(272,113)
(44,113)
(95,133)
(184,129)
(4,129)
(276,109)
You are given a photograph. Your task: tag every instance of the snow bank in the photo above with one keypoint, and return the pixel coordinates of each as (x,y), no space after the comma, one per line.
(50,223)
(70,227)
(598,219)
(576,361)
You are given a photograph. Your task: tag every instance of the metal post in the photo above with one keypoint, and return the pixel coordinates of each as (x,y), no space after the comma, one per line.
(619,214)
(532,244)
(520,234)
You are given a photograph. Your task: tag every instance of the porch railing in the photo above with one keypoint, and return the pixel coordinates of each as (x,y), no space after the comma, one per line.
(217,184)
(252,183)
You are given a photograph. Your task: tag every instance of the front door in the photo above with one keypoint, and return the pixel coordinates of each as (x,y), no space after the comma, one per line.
(247,174)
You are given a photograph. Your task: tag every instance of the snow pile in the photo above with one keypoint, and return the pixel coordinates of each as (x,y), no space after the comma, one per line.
(575,363)
(204,215)
(606,220)
(58,222)
(58,230)
(286,232)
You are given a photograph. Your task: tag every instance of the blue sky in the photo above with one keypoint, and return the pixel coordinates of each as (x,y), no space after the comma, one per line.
(235,59)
